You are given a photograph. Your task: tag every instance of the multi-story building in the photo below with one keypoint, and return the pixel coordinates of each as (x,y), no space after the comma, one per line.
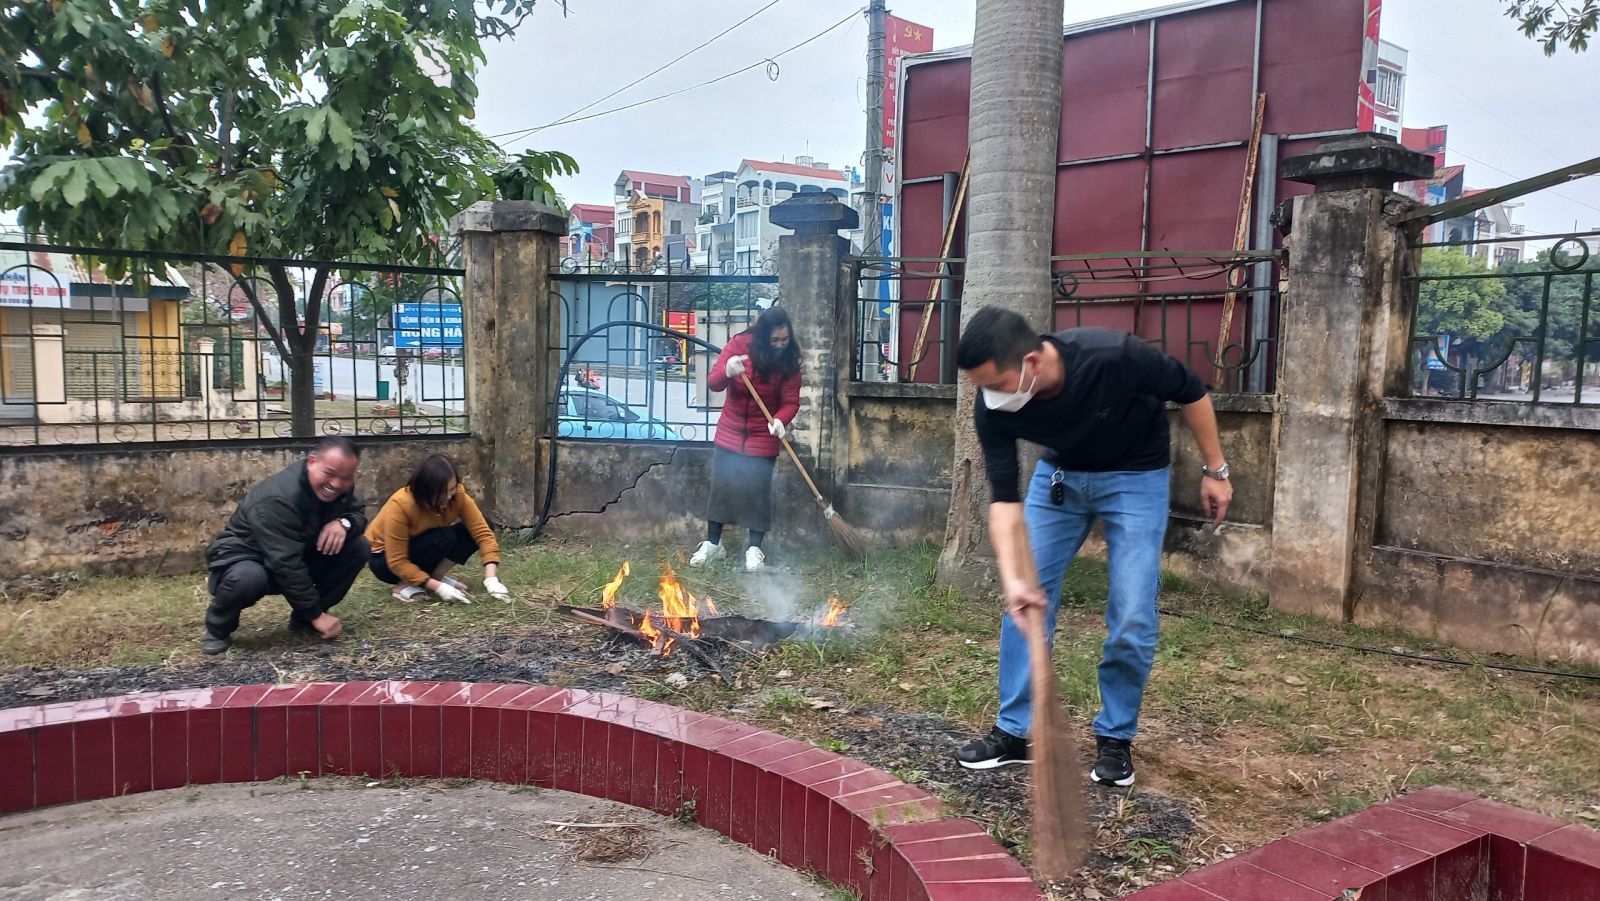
(591,232)
(713,233)
(1389,92)
(1493,224)
(655,216)
(757,186)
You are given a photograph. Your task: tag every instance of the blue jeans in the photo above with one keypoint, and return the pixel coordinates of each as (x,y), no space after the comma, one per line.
(1132,506)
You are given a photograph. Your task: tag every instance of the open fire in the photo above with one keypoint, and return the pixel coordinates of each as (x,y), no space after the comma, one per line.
(682,617)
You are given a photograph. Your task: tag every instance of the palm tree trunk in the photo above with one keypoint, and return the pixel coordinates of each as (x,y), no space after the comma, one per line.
(1014,124)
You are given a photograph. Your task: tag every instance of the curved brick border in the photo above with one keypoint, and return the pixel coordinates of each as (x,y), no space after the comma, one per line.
(812,809)
(1437,844)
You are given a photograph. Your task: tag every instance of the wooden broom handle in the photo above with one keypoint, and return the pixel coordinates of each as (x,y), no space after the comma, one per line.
(1038,649)
(745,376)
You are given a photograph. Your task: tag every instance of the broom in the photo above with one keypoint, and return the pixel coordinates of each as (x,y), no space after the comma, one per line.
(847,538)
(1058,808)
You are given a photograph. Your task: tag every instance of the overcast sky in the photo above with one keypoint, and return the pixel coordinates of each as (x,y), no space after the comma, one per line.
(1512,112)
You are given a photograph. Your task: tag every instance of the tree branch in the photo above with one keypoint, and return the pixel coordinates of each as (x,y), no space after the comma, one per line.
(261,315)
(319,283)
(288,320)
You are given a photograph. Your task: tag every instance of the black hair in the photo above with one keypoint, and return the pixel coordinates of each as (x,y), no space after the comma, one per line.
(336,442)
(996,335)
(768,360)
(431,480)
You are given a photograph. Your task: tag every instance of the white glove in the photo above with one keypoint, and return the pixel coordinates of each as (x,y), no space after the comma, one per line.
(775,429)
(736,367)
(448,592)
(496,588)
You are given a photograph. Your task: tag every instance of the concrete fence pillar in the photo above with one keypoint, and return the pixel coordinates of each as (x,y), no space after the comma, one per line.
(1344,338)
(511,326)
(249,386)
(216,406)
(816,284)
(50,374)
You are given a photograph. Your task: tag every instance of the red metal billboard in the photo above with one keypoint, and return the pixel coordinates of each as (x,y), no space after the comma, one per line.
(1157,113)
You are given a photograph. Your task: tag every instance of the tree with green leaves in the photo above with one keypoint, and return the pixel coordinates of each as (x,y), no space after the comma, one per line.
(1557,22)
(312,129)
(1474,312)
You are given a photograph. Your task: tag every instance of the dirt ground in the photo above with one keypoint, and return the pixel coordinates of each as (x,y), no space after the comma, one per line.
(1245,737)
(333,839)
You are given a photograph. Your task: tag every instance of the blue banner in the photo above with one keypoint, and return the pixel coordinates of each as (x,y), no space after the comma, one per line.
(427,325)
(885,248)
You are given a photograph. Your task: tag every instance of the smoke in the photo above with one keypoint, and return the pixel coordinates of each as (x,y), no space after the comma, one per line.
(781,596)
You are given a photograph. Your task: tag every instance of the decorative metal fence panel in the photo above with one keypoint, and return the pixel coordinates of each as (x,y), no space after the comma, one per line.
(1511,319)
(626,375)
(1216,312)
(101,345)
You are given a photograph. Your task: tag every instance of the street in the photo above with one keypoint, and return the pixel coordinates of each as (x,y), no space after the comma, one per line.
(443,384)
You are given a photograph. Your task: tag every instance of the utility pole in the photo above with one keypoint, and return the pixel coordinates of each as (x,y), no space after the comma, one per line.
(871,234)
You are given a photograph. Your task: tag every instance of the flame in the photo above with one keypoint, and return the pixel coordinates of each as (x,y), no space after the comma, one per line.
(835,610)
(648,630)
(608,595)
(711,609)
(678,606)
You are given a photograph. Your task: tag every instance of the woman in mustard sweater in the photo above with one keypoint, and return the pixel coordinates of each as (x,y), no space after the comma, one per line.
(428,527)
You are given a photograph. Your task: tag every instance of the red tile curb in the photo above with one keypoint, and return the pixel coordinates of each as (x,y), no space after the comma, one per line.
(1437,844)
(855,825)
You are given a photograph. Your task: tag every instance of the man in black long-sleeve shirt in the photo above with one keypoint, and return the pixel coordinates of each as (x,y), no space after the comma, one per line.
(1096,400)
(299,534)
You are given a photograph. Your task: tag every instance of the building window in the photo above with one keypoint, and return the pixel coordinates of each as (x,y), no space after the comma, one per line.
(1504,256)
(1389,91)
(747,225)
(676,228)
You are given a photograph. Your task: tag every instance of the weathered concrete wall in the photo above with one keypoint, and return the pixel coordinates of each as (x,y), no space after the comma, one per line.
(1485,538)
(1494,607)
(899,445)
(154,510)
(655,493)
(1523,496)
(1239,554)
(900,441)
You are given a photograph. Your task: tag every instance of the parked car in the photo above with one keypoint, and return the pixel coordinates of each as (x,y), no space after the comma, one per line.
(584,413)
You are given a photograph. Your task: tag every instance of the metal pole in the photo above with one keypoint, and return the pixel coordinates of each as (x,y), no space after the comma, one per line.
(949,312)
(1261,276)
(871,218)
(873,233)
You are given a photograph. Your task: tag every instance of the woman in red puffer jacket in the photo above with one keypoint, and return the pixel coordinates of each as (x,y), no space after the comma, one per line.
(747,446)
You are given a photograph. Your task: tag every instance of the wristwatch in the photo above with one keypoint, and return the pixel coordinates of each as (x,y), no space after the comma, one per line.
(1220,473)
(348,525)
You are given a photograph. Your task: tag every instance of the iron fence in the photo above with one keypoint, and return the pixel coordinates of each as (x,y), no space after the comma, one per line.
(103,345)
(1216,312)
(632,382)
(1510,319)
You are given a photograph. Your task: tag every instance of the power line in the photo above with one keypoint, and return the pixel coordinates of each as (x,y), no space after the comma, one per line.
(769,62)
(1496,116)
(1515,177)
(658,70)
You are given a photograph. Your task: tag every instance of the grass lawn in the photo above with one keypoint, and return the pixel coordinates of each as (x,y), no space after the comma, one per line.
(1260,734)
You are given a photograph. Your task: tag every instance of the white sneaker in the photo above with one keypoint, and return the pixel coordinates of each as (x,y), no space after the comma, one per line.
(707,552)
(754,559)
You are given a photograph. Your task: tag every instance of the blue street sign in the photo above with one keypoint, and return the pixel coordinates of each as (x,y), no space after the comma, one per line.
(427,325)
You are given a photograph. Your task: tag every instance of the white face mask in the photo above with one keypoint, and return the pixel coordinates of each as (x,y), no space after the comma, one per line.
(1011,402)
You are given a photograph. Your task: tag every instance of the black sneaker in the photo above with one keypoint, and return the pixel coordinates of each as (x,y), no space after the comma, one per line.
(998,748)
(212,645)
(1113,763)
